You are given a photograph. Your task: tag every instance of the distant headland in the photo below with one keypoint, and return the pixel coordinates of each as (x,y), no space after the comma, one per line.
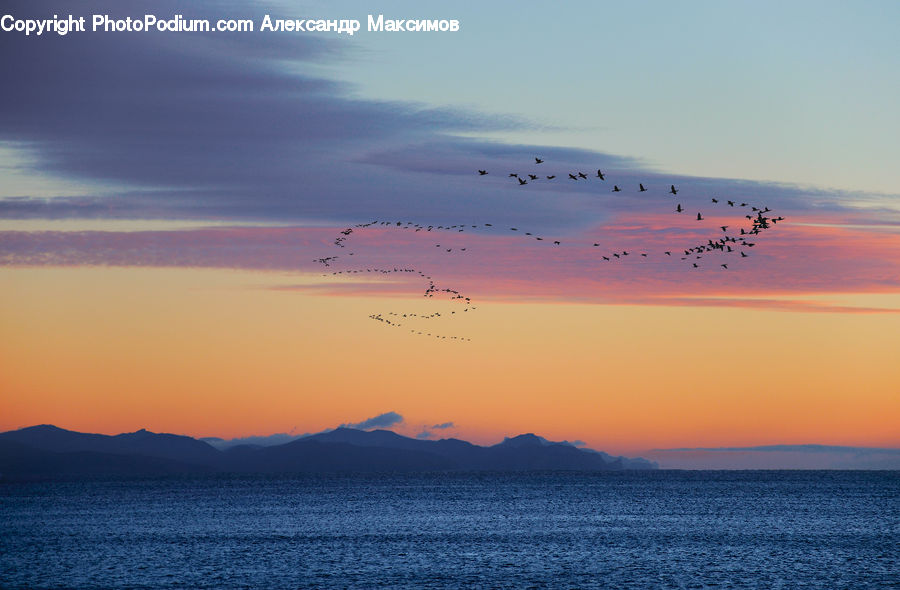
(46,452)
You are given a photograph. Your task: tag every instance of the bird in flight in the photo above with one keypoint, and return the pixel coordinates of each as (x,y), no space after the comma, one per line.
(600,175)
(522,181)
(551,177)
(616,188)
(573,177)
(678,208)
(699,217)
(538,161)
(673,190)
(642,187)
(482,172)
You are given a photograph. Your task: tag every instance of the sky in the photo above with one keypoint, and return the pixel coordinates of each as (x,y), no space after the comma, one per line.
(171,209)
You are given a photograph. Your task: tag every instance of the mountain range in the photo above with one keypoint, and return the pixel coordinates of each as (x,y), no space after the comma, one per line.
(49,452)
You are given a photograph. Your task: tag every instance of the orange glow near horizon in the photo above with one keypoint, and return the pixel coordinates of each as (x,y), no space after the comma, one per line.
(217,353)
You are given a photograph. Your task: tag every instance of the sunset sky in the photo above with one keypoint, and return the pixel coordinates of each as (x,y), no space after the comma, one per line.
(165,197)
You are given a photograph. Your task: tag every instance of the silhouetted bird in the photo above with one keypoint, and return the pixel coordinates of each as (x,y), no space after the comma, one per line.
(672,190)
(551,177)
(556,242)
(699,217)
(600,175)
(715,200)
(482,172)
(725,266)
(582,175)
(532,177)
(642,187)
(513,175)
(678,208)
(522,181)
(724,227)
(538,161)
(573,177)
(616,188)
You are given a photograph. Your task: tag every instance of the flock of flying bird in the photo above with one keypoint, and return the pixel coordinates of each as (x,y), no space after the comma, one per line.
(726,243)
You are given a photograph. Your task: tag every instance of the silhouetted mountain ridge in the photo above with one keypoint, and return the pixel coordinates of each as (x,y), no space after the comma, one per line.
(48,452)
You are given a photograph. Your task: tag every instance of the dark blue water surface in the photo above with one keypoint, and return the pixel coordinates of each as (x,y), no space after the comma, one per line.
(557,530)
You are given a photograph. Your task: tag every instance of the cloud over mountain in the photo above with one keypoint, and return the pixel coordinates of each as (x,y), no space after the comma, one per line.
(385,420)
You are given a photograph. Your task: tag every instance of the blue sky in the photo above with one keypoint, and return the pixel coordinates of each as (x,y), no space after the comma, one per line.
(800,92)
(803,93)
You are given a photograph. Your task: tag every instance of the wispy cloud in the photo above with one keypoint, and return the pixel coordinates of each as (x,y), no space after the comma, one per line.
(809,448)
(428,431)
(781,272)
(216,125)
(788,456)
(385,420)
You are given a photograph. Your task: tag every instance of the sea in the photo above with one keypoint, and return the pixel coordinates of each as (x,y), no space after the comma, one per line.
(652,529)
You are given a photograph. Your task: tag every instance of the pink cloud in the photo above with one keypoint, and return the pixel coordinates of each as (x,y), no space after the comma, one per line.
(790,259)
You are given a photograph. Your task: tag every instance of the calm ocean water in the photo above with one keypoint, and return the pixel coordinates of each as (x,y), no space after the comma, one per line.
(556,530)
